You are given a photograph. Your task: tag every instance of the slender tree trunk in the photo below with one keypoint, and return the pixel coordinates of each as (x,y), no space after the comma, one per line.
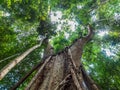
(13,63)
(64,70)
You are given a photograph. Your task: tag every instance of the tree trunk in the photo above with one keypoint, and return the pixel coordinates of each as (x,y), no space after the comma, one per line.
(64,70)
(13,63)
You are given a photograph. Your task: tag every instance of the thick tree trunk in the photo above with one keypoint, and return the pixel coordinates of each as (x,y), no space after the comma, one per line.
(64,70)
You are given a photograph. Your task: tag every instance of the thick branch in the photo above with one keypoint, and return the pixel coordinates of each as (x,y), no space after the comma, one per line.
(77,47)
(90,34)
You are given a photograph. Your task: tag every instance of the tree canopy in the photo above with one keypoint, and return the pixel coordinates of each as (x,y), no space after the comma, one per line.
(24,22)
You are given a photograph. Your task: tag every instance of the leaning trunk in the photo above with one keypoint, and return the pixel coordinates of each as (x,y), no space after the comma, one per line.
(14,62)
(64,70)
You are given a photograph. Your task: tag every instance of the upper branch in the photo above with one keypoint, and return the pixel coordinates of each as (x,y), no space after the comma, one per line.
(90,34)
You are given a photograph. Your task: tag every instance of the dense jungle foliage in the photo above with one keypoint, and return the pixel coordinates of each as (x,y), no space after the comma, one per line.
(24,22)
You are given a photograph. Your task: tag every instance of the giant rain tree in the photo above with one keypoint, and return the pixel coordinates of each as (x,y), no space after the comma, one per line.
(65,25)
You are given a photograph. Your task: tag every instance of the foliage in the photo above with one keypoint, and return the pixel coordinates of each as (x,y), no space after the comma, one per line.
(22,21)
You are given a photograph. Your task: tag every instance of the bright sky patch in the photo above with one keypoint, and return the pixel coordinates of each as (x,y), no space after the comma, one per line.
(102,33)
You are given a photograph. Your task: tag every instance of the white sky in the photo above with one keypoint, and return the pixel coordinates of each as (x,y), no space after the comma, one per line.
(79,6)
(102,33)
(117,16)
(5,14)
(57,17)
(94,18)
(110,51)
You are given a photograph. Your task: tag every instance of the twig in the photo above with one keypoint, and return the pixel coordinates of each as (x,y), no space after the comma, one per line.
(9,57)
(98,6)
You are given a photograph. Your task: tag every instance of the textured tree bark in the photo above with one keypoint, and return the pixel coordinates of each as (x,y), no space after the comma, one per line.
(63,71)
